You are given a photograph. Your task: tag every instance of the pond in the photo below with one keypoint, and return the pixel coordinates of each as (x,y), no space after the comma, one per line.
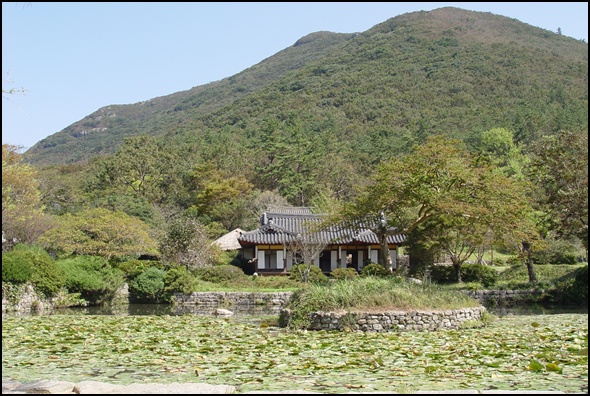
(258,310)
(516,352)
(167,309)
(537,310)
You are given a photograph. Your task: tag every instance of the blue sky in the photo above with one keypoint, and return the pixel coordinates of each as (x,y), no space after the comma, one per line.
(73,58)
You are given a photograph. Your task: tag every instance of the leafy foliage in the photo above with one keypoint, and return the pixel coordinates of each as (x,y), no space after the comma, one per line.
(446,199)
(22,211)
(344,273)
(549,275)
(185,242)
(374,269)
(558,251)
(307,274)
(149,285)
(484,275)
(178,279)
(92,277)
(220,273)
(571,289)
(31,263)
(560,166)
(16,266)
(99,232)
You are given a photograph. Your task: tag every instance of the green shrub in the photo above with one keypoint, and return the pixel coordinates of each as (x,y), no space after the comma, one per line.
(178,279)
(91,276)
(274,283)
(479,273)
(516,277)
(442,274)
(556,251)
(582,276)
(567,258)
(572,289)
(344,273)
(315,276)
(219,273)
(82,273)
(470,273)
(17,268)
(132,268)
(374,269)
(148,286)
(513,261)
(47,277)
(499,262)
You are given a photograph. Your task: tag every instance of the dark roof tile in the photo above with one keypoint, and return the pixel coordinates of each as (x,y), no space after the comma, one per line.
(284,226)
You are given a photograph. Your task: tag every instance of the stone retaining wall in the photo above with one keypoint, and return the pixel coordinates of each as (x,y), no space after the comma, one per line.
(24,299)
(505,298)
(233,299)
(390,320)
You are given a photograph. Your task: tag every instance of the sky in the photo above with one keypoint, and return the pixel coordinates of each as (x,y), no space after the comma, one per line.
(64,61)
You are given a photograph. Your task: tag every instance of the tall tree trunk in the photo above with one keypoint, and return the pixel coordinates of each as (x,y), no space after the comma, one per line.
(384,247)
(306,273)
(526,247)
(457,268)
(531,271)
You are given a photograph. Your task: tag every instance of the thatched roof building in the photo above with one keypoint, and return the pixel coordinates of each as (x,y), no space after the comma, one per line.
(229,241)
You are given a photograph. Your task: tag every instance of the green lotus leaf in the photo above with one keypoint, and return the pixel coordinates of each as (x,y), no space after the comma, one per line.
(553,367)
(535,366)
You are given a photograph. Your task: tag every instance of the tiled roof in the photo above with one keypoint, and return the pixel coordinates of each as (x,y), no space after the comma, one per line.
(280,227)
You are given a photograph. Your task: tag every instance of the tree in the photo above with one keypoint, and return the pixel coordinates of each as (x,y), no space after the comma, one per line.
(560,170)
(142,167)
(219,196)
(61,188)
(292,160)
(99,232)
(185,242)
(22,212)
(10,91)
(442,185)
(458,237)
(497,146)
(259,202)
(305,249)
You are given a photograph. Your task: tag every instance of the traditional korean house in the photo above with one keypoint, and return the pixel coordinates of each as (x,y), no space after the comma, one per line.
(284,233)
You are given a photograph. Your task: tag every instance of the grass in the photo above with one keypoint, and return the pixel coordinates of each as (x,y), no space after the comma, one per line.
(247,283)
(490,256)
(548,275)
(510,278)
(373,293)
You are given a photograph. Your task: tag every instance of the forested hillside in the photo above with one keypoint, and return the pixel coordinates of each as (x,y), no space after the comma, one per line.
(364,97)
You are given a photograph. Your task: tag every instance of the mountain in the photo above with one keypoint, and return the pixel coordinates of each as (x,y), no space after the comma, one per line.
(362,96)
(104,130)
